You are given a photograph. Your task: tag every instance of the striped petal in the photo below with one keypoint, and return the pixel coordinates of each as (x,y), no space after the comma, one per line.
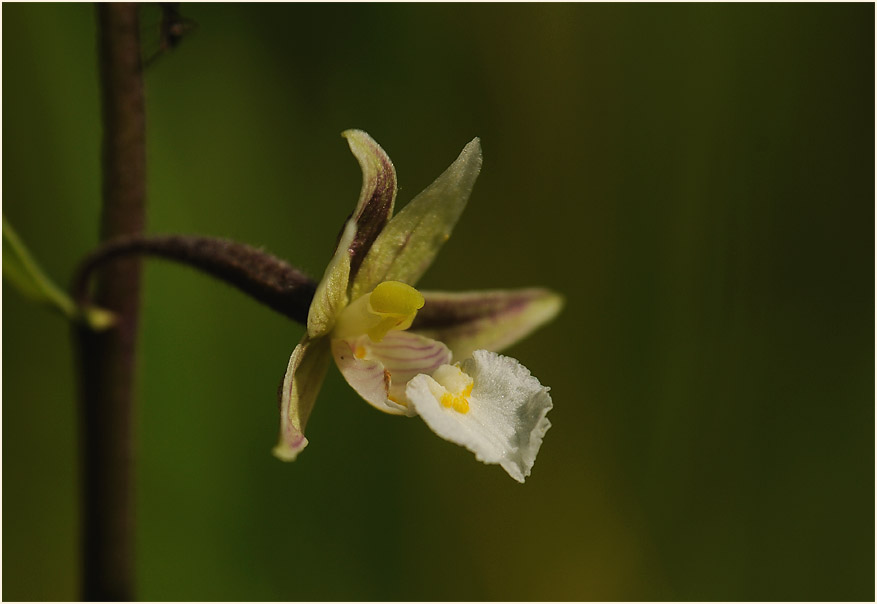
(489,320)
(380,371)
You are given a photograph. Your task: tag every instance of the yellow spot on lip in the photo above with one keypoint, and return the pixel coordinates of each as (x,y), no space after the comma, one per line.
(459,402)
(457,387)
(359,352)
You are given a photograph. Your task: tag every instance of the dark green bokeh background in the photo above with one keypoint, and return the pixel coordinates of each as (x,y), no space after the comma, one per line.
(696,179)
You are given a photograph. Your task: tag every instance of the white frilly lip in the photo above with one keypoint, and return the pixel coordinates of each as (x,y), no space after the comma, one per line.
(381,375)
(506,420)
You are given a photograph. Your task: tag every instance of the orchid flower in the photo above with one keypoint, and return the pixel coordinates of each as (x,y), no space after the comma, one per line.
(406,352)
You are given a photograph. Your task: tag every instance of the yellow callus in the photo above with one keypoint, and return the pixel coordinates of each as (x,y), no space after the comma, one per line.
(459,402)
(392,305)
(456,388)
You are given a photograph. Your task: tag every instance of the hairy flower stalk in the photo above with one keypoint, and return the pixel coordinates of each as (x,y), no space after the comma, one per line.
(255,272)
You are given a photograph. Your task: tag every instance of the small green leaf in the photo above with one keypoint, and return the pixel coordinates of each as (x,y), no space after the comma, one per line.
(21,270)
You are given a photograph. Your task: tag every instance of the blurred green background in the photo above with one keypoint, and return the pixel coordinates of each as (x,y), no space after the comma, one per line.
(696,179)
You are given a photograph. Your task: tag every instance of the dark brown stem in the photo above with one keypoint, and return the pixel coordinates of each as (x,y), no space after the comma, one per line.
(107,359)
(266,278)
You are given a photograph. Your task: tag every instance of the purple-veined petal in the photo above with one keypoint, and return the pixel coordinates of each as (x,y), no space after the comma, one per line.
(490,320)
(301,384)
(503,420)
(379,372)
(408,244)
(377,196)
(366,376)
(404,355)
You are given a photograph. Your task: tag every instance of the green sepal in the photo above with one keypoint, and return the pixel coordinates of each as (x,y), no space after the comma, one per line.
(407,245)
(377,196)
(331,295)
(484,320)
(304,377)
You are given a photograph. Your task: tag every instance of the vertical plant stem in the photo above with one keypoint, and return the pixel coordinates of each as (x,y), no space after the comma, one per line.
(107,359)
